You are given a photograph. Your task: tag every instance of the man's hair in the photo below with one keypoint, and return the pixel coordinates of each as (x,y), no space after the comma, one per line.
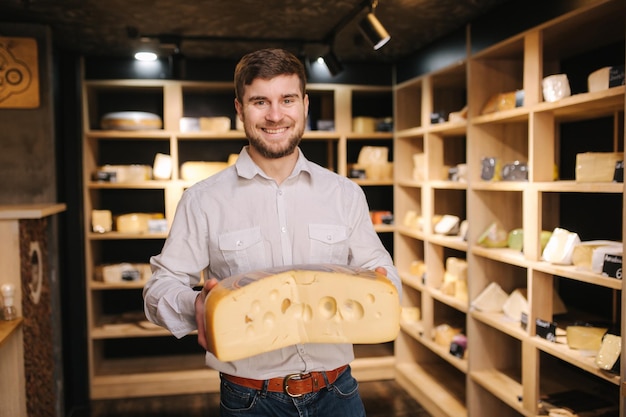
(267,64)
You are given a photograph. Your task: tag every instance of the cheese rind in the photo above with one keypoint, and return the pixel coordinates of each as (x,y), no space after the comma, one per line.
(261,311)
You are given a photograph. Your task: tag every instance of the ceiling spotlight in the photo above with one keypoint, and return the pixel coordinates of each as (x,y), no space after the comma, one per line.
(373,30)
(145,56)
(332,63)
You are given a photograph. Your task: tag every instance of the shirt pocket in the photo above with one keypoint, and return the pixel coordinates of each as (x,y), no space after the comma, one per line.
(243,250)
(329,243)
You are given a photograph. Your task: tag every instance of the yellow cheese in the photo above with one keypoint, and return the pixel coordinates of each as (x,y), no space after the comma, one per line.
(215,124)
(585,337)
(582,254)
(266,310)
(135,222)
(199,170)
(597,166)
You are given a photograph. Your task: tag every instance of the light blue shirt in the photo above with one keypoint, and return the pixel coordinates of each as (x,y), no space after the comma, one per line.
(240,220)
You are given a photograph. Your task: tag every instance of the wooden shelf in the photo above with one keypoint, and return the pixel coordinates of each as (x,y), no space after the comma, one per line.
(8,328)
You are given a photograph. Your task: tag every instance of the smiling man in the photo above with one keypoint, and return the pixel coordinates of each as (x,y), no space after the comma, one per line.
(272,208)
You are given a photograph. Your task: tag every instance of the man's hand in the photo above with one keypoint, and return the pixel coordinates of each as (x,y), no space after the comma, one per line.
(208,285)
(381,270)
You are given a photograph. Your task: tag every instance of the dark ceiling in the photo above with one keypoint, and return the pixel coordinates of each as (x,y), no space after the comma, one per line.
(228,29)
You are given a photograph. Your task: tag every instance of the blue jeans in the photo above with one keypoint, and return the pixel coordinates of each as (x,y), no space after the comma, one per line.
(340,399)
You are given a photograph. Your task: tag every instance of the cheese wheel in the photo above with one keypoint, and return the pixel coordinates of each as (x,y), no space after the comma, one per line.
(270,309)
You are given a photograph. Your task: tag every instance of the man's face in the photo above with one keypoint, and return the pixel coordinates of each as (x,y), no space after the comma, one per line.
(273,113)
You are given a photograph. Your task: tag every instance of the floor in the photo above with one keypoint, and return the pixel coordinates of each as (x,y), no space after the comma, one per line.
(381,398)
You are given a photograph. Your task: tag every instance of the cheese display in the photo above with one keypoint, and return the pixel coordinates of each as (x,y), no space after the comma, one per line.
(455,278)
(597,166)
(135,222)
(609,353)
(131,120)
(270,309)
(555,87)
(199,170)
(215,124)
(491,299)
(162,167)
(123,173)
(123,272)
(516,304)
(101,221)
(494,237)
(605,77)
(448,225)
(585,337)
(582,255)
(560,247)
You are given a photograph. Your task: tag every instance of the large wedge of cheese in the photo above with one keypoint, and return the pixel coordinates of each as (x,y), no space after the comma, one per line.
(266,310)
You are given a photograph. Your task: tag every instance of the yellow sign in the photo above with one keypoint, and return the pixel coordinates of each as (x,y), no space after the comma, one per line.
(19,73)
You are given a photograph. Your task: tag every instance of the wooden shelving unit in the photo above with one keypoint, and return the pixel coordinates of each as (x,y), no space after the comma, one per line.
(128,357)
(508,369)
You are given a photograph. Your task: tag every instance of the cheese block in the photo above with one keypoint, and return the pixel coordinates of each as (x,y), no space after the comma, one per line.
(585,337)
(101,221)
(516,304)
(609,353)
(448,225)
(597,166)
(199,170)
(582,254)
(265,310)
(135,222)
(215,124)
(131,120)
(491,299)
(560,247)
(123,272)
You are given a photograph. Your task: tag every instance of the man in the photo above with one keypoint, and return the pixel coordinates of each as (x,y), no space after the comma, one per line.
(272,208)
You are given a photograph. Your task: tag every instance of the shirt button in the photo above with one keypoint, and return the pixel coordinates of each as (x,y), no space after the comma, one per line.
(280,192)
(239,243)
(329,237)
(283,229)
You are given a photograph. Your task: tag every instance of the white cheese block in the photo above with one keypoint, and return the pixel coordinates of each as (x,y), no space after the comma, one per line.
(448,225)
(101,221)
(516,304)
(560,247)
(162,167)
(597,257)
(491,299)
(266,310)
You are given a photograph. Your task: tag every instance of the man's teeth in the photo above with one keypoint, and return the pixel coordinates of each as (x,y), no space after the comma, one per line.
(274,131)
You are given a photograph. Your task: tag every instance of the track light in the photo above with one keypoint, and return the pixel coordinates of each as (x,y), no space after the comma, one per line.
(373,30)
(332,63)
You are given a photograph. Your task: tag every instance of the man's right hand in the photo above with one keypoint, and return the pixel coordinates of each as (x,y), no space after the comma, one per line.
(199,305)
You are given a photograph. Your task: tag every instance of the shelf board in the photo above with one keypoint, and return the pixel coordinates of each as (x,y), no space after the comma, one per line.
(448,185)
(366,182)
(127,330)
(501,322)
(409,183)
(519,114)
(412,281)
(448,300)
(440,393)
(502,386)
(411,132)
(574,273)
(384,228)
(411,232)
(453,242)
(504,255)
(8,327)
(416,331)
(130,285)
(449,128)
(367,136)
(125,236)
(482,185)
(563,352)
(154,134)
(150,184)
(585,105)
(579,187)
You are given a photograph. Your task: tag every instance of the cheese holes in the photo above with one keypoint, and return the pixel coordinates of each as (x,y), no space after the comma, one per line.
(351,310)
(328,307)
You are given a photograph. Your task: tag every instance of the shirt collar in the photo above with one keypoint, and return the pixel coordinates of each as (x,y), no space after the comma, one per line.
(246,168)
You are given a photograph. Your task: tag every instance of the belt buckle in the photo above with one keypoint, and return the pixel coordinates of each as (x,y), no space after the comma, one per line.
(286,385)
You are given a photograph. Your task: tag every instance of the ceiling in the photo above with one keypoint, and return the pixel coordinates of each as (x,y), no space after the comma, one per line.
(100,28)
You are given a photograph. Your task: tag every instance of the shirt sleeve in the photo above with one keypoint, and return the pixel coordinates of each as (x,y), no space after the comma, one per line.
(366,248)
(169,297)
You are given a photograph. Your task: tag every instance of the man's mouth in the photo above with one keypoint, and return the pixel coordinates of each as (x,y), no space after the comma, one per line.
(275,131)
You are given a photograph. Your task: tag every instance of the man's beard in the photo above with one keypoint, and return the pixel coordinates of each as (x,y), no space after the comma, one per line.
(270,152)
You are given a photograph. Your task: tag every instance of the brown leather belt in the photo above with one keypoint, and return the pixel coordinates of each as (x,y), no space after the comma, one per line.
(294,385)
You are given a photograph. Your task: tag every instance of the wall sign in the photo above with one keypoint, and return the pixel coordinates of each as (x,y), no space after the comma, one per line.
(19,73)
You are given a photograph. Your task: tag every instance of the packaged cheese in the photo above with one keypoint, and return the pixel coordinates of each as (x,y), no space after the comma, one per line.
(270,309)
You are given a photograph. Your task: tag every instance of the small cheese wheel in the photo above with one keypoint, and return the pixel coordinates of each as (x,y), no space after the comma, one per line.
(266,310)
